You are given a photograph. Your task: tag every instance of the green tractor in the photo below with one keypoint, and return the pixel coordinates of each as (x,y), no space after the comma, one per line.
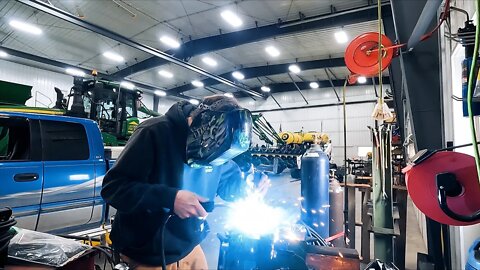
(117,110)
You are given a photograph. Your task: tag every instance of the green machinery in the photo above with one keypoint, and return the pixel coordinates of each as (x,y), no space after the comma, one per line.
(117,110)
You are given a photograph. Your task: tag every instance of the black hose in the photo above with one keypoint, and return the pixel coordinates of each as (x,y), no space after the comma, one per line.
(164,224)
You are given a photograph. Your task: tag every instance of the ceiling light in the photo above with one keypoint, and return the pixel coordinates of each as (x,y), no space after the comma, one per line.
(209,61)
(341,37)
(314,85)
(170,42)
(265,89)
(166,74)
(26,27)
(272,51)
(230,95)
(197,83)
(294,68)
(361,79)
(160,93)
(127,85)
(3,54)
(194,101)
(75,72)
(113,56)
(231,18)
(238,75)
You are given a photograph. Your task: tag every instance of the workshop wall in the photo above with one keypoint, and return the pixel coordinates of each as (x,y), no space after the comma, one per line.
(328,119)
(43,82)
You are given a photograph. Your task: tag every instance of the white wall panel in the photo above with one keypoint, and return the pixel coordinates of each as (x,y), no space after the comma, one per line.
(323,119)
(43,83)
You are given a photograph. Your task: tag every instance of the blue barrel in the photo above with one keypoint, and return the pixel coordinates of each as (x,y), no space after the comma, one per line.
(315,190)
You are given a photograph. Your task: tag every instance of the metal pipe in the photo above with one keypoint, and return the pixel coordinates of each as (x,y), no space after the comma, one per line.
(298,88)
(331,83)
(316,106)
(276,101)
(61,14)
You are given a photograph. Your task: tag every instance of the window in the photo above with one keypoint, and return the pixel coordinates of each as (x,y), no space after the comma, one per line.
(64,141)
(14,139)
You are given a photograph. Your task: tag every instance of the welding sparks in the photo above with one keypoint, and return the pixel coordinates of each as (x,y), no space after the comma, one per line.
(340,254)
(314,211)
(253,217)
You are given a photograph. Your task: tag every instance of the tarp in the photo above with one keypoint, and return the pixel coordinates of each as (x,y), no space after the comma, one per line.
(14,93)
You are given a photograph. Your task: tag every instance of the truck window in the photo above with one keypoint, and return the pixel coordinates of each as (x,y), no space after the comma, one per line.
(14,139)
(64,141)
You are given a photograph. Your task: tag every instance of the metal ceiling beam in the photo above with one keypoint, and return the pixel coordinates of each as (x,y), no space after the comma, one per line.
(233,39)
(63,15)
(285,87)
(58,64)
(260,71)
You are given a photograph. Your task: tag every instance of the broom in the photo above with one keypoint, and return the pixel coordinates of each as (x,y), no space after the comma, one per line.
(381,112)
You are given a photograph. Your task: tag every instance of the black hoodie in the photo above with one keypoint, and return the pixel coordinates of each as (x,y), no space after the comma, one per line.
(142,187)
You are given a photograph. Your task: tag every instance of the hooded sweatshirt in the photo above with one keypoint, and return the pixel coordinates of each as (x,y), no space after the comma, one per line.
(142,186)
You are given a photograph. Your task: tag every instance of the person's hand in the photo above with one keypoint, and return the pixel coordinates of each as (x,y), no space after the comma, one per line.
(263,185)
(187,204)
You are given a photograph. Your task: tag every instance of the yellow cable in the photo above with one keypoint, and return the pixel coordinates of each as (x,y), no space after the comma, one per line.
(380,51)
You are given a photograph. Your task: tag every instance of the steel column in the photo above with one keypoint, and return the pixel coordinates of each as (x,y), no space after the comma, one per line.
(422,86)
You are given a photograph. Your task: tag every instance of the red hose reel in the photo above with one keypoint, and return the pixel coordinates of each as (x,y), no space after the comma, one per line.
(361,55)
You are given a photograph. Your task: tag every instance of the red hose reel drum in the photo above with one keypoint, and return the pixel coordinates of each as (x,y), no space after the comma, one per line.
(361,56)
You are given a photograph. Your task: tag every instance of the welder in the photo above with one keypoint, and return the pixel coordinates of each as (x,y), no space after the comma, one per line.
(160,218)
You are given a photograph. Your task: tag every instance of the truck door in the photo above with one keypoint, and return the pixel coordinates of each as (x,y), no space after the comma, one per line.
(69,175)
(21,172)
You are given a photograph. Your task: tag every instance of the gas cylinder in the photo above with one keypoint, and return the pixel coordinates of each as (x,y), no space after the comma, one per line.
(336,211)
(315,190)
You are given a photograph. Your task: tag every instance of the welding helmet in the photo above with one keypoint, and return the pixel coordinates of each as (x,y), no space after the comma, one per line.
(218,133)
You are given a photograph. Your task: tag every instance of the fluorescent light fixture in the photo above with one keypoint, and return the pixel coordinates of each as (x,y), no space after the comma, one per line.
(3,54)
(361,79)
(127,85)
(272,51)
(170,42)
(341,37)
(230,95)
(314,85)
(294,68)
(75,72)
(160,93)
(265,89)
(209,61)
(238,75)
(194,101)
(113,56)
(231,18)
(165,73)
(25,27)
(197,83)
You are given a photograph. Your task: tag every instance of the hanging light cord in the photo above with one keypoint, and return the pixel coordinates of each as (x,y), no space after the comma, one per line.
(471,81)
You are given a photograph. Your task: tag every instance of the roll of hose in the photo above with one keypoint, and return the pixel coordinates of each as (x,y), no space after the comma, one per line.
(6,233)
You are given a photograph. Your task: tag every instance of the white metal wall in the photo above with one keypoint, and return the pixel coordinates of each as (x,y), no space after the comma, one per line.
(43,82)
(323,119)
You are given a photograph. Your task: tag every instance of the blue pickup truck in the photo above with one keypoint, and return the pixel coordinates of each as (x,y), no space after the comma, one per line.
(51,171)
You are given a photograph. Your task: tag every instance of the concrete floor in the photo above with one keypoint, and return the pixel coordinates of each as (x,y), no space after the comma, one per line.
(285,193)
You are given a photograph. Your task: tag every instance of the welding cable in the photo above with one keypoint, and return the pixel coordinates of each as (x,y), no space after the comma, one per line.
(471,81)
(164,224)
